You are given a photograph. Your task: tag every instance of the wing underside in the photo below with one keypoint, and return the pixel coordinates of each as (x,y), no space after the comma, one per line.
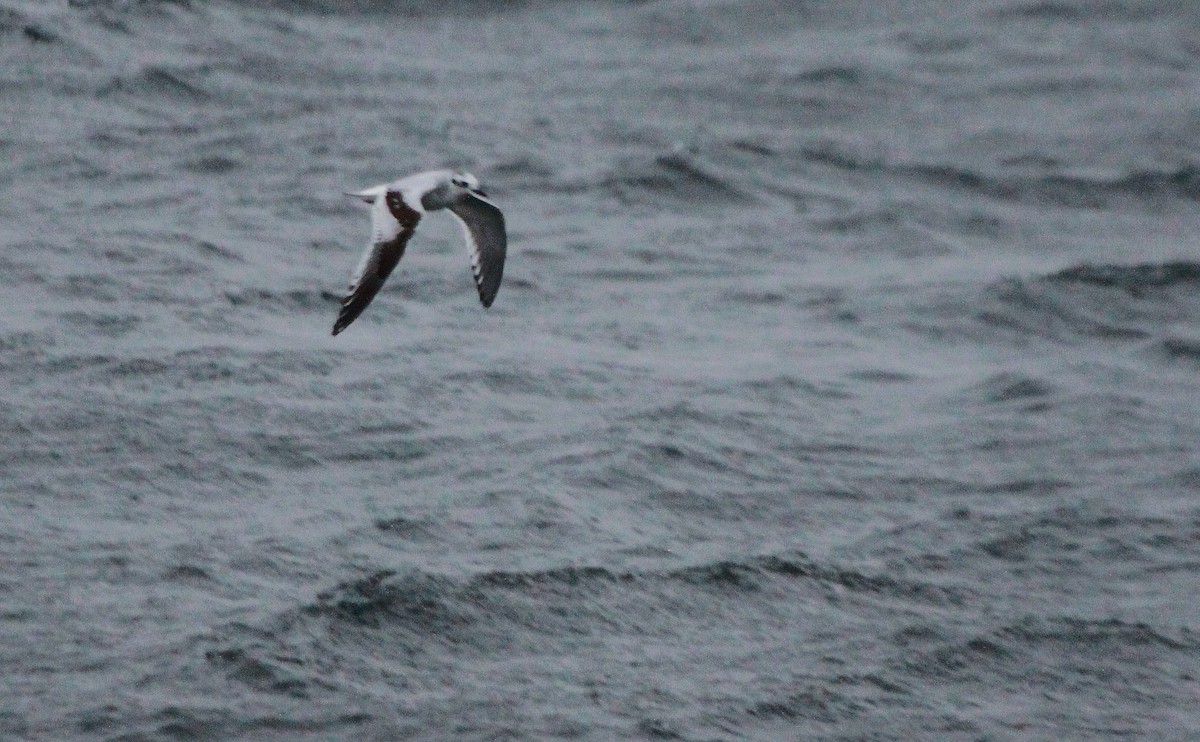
(483,227)
(378,264)
(392,225)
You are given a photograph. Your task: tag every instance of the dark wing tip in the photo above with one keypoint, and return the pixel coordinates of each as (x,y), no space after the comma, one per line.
(341,324)
(488,287)
(381,261)
(354,304)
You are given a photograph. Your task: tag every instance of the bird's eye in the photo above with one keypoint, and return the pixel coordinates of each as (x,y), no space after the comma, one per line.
(459,182)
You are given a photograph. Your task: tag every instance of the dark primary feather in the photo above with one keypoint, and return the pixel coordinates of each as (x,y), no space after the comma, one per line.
(383,260)
(484,226)
(384,256)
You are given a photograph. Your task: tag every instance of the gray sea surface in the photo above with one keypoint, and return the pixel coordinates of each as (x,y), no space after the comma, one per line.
(842,384)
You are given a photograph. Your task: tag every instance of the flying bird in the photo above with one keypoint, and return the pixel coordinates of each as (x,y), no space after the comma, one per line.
(397,208)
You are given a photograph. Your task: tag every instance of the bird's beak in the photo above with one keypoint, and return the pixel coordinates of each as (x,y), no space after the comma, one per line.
(479,192)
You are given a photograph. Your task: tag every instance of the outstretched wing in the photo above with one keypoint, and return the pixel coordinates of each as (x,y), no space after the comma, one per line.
(483,228)
(393,222)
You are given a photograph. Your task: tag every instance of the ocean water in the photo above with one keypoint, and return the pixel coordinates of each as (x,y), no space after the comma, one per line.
(842,384)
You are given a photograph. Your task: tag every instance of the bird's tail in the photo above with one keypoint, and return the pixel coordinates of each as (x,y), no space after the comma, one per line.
(367,194)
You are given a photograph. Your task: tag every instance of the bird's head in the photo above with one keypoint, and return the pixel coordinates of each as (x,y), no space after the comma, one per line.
(467,182)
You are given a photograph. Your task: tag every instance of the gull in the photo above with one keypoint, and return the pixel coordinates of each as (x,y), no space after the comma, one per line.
(397,208)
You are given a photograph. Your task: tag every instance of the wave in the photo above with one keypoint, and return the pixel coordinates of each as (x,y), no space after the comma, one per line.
(675,176)
(1024,309)
(1112,303)
(1016,388)
(1043,189)
(1065,190)
(296,300)
(15,22)
(1051,648)
(408,8)
(429,604)
(1074,12)
(750,573)
(440,605)
(1137,280)
(415,616)
(159,82)
(1181,349)
(496,607)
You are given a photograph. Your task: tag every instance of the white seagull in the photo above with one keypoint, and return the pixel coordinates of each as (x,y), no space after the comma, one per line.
(397,208)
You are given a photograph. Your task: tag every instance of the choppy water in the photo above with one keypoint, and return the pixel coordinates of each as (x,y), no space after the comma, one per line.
(843,384)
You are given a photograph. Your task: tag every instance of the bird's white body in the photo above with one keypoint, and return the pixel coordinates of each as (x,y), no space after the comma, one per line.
(412,186)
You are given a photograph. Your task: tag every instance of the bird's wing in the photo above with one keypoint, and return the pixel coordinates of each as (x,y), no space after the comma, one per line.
(393,222)
(483,227)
